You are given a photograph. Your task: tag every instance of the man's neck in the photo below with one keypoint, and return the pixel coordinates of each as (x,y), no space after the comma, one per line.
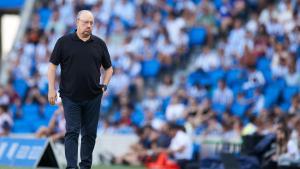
(84,38)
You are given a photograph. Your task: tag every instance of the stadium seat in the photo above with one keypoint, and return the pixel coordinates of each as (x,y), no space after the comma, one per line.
(289,92)
(20,87)
(150,68)
(30,112)
(196,36)
(49,110)
(238,109)
(21,126)
(272,93)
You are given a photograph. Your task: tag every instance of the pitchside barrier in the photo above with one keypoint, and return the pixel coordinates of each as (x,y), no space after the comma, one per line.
(27,152)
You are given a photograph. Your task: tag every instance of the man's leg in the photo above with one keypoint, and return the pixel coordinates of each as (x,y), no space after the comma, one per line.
(90,117)
(72,112)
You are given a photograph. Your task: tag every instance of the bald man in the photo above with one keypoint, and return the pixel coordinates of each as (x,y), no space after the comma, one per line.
(80,55)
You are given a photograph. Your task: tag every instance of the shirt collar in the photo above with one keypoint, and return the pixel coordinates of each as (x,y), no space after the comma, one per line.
(76,38)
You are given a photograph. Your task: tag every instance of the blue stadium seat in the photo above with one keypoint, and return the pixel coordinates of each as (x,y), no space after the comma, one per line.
(289,92)
(49,110)
(215,76)
(196,36)
(106,104)
(45,14)
(272,93)
(263,63)
(38,123)
(30,112)
(20,87)
(218,108)
(21,126)
(285,106)
(238,109)
(150,68)
(137,118)
(160,115)
(235,77)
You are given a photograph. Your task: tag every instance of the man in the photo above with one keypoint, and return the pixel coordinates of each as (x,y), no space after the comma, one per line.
(80,55)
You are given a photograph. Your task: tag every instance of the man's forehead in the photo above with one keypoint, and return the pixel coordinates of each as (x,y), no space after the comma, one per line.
(86,15)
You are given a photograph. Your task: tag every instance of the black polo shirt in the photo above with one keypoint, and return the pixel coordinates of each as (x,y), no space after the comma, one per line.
(80,65)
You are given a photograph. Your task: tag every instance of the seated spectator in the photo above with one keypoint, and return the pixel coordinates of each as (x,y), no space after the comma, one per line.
(208,60)
(56,127)
(175,110)
(295,106)
(255,79)
(280,69)
(167,88)
(286,151)
(222,95)
(151,101)
(6,121)
(214,128)
(293,77)
(181,147)
(4,98)
(138,151)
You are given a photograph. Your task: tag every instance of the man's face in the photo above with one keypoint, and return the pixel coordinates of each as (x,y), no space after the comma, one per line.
(85,24)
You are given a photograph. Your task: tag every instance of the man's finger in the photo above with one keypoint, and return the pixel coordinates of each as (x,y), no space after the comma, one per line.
(52,100)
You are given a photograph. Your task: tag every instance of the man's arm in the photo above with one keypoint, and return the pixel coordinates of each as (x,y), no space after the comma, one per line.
(107,76)
(51,80)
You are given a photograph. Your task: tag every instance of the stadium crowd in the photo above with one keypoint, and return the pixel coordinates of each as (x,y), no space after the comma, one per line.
(239,58)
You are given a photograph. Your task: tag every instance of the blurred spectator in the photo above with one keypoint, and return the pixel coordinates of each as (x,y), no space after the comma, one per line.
(138,151)
(295,106)
(255,79)
(181,146)
(56,128)
(151,101)
(208,60)
(6,121)
(4,98)
(222,95)
(167,88)
(175,110)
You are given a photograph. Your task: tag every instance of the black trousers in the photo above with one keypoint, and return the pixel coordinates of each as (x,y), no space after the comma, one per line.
(81,117)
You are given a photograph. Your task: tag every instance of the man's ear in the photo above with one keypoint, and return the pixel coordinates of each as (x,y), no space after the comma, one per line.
(77,22)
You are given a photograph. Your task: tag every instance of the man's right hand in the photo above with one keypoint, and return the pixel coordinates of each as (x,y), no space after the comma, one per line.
(52,96)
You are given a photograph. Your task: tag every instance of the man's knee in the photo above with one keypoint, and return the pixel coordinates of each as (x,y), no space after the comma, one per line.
(72,132)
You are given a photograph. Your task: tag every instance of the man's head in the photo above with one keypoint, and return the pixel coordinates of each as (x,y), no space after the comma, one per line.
(85,22)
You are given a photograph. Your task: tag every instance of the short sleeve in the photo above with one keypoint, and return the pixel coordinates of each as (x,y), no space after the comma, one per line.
(106,62)
(56,53)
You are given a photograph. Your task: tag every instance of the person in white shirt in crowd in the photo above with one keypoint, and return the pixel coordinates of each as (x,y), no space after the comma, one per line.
(6,121)
(151,101)
(255,79)
(181,147)
(222,95)
(174,26)
(175,110)
(119,82)
(295,105)
(125,9)
(293,77)
(236,40)
(167,88)
(208,60)
(280,68)
(268,13)
(4,98)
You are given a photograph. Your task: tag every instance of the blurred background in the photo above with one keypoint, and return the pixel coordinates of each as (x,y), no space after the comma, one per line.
(197,83)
